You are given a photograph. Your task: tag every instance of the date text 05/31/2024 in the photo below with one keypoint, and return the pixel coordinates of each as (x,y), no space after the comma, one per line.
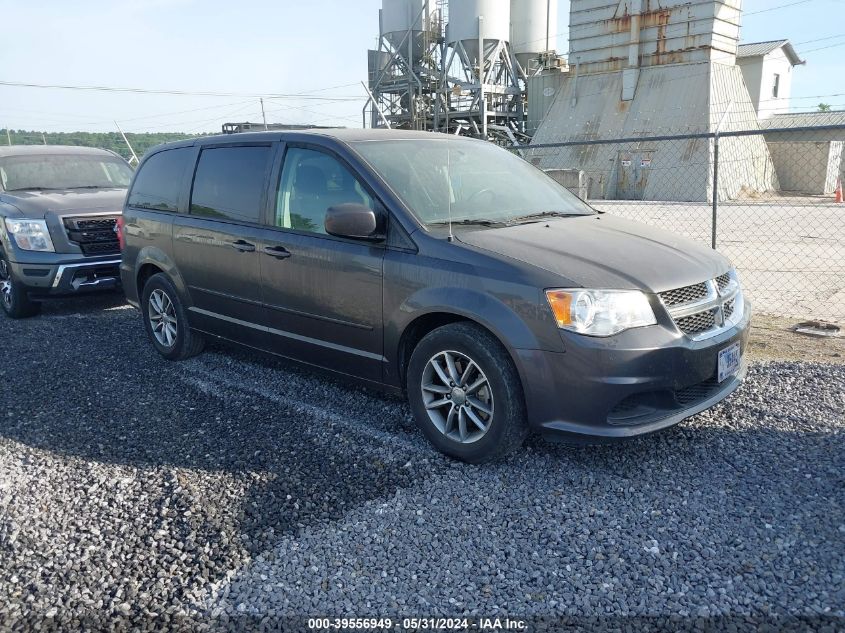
(417,624)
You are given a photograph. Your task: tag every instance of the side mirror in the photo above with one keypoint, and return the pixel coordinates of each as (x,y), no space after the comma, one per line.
(354,221)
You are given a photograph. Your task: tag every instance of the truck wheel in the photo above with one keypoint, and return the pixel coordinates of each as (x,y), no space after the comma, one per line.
(166,320)
(13,295)
(466,394)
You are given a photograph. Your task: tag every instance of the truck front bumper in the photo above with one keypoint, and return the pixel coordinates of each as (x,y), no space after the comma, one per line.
(68,276)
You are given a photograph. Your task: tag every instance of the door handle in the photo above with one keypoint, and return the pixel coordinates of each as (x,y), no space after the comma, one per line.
(279,252)
(243,247)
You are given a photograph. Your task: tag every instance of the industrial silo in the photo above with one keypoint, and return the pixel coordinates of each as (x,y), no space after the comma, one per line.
(400,16)
(464,25)
(533,28)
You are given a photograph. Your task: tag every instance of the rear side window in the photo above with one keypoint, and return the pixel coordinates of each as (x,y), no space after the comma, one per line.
(159,180)
(229,183)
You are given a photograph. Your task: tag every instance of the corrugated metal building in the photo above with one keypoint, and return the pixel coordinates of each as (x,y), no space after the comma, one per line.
(643,68)
(807,161)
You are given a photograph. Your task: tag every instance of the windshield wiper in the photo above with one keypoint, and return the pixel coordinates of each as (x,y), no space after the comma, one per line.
(90,187)
(32,189)
(547,214)
(470,222)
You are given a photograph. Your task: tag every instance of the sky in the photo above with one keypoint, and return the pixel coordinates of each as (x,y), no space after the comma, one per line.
(282,48)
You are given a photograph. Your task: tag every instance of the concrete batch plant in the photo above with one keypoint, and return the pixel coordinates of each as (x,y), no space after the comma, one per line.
(458,65)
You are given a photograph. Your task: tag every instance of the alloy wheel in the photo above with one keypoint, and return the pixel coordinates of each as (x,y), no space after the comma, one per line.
(5,283)
(457,397)
(162,315)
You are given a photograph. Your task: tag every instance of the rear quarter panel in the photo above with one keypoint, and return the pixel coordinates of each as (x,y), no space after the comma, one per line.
(149,237)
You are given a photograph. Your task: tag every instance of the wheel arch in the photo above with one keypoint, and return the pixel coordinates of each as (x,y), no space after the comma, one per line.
(480,309)
(152,260)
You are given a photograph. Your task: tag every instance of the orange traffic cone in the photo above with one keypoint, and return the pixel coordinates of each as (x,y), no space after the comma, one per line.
(838,198)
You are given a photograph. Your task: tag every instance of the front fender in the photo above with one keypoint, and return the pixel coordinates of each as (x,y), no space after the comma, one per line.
(510,320)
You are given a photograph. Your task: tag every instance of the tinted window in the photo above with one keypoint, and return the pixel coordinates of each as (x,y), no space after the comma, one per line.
(229,183)
(312,182)
(159,180)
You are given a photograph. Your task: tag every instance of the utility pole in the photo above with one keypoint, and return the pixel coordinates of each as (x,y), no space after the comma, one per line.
(8,137)
(263,116)
(44,138)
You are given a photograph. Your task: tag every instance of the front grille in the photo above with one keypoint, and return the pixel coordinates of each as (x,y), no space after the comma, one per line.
(703,309)
(93,235)
(697,323)
(641,408)
(696,393)
(688,294)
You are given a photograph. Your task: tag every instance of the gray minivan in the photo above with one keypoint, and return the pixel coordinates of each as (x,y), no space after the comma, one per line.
(443,267)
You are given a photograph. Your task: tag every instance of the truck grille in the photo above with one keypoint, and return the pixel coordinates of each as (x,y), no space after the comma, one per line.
(94,235)
(702,309)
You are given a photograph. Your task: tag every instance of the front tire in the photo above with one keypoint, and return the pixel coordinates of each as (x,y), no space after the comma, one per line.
(13,295)
(466,394)
(166,320)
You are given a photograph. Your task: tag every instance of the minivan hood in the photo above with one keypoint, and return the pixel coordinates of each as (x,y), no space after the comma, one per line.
(602,251)
(36,204)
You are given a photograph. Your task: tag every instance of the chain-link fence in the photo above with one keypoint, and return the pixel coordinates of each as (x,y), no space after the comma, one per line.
(775,213)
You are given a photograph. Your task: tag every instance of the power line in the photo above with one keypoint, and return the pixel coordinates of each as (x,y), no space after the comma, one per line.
(822,48)
(782,6)
(183,93)
(821,39)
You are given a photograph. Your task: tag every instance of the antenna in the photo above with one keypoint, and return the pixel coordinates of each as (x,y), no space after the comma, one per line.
(126,140)
(263,115)
(449,188)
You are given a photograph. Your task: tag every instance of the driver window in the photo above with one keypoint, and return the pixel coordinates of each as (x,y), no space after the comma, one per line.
(311,182)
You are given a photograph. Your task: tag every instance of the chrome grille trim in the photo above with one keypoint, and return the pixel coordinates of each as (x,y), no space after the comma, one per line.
(719,309)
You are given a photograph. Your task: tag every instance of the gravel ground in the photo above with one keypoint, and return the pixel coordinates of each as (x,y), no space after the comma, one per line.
(229,486)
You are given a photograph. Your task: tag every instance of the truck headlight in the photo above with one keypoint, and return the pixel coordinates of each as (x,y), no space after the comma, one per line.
(600,312)
(30,235)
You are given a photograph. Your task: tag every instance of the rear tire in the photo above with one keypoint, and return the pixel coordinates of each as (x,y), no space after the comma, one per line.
(166,320)
(13,294)
(466,394)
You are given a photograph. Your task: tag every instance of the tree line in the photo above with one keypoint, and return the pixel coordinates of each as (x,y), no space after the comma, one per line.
(104,140)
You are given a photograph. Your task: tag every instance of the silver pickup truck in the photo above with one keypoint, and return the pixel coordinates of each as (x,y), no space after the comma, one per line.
(58,211)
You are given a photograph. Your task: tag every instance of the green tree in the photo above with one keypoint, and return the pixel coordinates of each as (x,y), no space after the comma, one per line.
(824,107)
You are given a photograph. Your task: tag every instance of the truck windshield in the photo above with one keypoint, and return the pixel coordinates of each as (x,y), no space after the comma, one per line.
(63,171)
(482,184)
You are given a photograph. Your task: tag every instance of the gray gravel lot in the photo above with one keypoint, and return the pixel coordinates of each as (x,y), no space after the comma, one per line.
(236,485)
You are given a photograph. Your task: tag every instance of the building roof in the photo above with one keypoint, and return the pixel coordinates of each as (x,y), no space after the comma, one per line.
(759,49)
(49,150)
(804,119)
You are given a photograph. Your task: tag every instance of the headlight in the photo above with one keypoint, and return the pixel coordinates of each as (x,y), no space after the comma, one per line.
(30,235)
(600,312)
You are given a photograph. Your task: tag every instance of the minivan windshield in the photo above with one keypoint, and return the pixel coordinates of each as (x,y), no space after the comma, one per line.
(467,182)
(63,171)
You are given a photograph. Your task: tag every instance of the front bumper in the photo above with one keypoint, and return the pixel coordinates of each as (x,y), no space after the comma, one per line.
(638,382)
(68,276)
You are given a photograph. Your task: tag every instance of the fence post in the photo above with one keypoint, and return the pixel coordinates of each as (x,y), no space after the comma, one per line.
(715,190)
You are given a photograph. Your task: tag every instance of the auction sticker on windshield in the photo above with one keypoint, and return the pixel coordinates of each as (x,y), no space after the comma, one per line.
(729,361)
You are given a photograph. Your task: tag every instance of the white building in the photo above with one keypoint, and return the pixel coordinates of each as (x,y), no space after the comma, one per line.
(767,69)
